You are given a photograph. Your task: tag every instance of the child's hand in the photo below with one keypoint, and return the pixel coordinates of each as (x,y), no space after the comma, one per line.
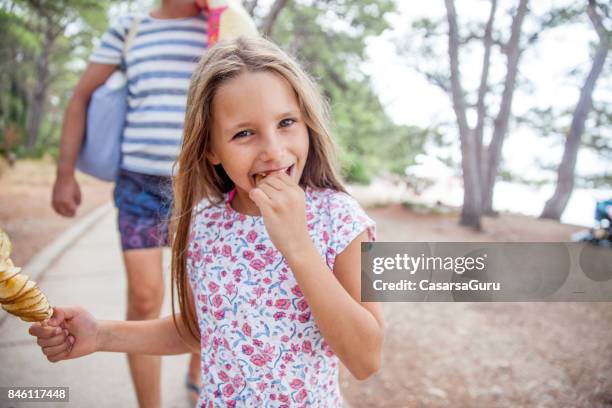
(283,207)
(70,333)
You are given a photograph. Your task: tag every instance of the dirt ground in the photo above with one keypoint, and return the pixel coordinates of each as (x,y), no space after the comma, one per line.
(435,354)
(25,205)
(487,354)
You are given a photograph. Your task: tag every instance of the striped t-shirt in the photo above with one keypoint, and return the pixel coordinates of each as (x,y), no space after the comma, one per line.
(162,56)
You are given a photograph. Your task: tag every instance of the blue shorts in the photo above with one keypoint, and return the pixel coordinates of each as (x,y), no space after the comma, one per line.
(144,203)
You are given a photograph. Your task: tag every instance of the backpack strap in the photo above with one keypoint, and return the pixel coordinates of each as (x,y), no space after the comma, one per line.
(131,34)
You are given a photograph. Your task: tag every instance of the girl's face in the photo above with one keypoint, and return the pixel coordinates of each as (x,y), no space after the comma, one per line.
(258,129)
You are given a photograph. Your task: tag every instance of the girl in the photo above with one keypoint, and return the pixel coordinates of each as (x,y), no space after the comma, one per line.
(266,247)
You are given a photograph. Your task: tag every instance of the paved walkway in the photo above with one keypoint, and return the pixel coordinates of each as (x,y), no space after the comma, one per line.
(90,274)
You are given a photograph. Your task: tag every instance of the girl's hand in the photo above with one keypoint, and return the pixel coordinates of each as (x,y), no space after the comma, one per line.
(283,207)
(70,333)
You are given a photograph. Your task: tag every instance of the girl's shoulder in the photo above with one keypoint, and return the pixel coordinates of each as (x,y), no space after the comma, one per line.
(342,211)
(205,208)
(332,200)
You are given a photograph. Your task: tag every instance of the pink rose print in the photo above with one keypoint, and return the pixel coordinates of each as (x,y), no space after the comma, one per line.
(283,398)
(261,386)
(325,237)
(217,301)
(228,390)
(301,395)
(251,236)
(237,273)
(304,317)
(237,381)
(227,250)
(228,225)
(257,342)
(282,304)
(246,329)
(260,247)
(215,216)
(258,360)
(219,314)
(328,351)
(258,290)
(257,264)
(248,255)
(297,291)
(269,256)
(302,305)
(306,346)
(230,288)
(248,350)
(267,281)
(296,384)
(241,217)
(213,287)
(285,338)
(223,376)
(279,315)
(295,347)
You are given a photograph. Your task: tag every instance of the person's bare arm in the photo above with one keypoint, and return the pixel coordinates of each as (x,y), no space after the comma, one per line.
(66,192)
(156,337)
(73,332)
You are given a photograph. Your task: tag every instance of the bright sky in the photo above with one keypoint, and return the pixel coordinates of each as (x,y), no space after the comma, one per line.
(410,99)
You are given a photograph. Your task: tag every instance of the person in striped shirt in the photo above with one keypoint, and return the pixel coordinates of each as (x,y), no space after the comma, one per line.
(164,50)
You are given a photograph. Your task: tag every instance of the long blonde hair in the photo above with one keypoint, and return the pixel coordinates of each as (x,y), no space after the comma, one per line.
(196,178)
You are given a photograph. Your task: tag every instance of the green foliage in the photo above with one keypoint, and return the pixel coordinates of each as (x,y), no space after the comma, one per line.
(329,39)
(40,41)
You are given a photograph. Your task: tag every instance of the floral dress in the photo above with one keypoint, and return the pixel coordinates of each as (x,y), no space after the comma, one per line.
(260,346)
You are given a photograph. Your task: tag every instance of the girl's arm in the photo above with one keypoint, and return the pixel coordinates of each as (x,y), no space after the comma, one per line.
(73,332)
(156,337)
(353,329)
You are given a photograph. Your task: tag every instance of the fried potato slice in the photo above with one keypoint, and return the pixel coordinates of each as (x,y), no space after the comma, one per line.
(19,295)
(12,287)
(259,177)
(24,304)
(5,246)
(9,273)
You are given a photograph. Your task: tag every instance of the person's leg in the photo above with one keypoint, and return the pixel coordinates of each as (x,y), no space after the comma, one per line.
(145,296)
(194,378)
(142,238)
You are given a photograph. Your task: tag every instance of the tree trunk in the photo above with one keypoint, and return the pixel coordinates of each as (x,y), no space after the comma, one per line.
(501,120)
(268,23)
(39,95)
(555,206)
(481,109)
(471,210)
(250,6)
